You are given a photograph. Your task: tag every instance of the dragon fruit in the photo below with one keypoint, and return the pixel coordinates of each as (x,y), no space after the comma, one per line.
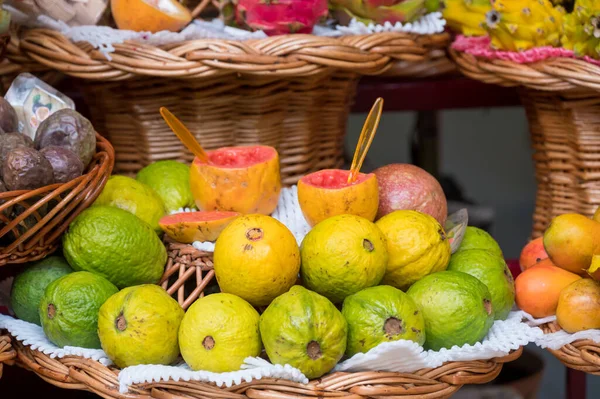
(381,11)
(279,17)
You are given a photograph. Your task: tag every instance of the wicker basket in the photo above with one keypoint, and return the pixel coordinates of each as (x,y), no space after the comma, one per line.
(582,355)
(562,99)
(45,213)
(7,352)
(293,92)
(72,372)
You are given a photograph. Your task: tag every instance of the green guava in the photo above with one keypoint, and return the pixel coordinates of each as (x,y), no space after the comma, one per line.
(343,255)
(28,287)
(381,314)
(493,272)
(476,238)
(69,309)
(171,181)
(140,325)
(457,308)
(305,330)
(135,197)
(218,332)
(115,244)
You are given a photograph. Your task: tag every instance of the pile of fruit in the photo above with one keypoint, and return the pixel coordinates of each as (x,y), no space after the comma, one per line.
(561,271)
(516,25)
(63,146)
(376,267)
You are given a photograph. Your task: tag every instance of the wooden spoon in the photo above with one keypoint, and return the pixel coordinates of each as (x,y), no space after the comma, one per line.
(182,132)
(366,138)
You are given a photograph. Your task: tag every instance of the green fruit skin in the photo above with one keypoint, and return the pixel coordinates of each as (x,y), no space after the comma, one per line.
(115,244)
(171,181)
(298,318)
(135,197)
(150,319)
(367,312)
(491,270)
(476,238)
(76,298)
(456,306)
(336,263)
(231,322)
(28,287)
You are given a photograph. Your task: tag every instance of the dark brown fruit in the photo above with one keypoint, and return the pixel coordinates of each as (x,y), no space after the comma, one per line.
(8,117)
(65,163)
(10,141)
(26,169)
(68,129)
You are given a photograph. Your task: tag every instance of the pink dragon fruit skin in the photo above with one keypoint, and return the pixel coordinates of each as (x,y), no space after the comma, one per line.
(280,17)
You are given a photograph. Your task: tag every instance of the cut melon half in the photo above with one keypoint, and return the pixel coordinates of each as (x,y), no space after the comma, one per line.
(188,227)
(150,16)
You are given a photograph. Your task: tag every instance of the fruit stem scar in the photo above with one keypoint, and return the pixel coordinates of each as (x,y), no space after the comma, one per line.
(314,350)
(120,322)
(368,245)
(51,311)
(442,234)
(254,234)
(392,327)
(208,342)
(487,304)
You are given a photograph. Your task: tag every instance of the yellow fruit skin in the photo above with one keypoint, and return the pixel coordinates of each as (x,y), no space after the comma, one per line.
(256,258)
(579,306)
(137,15)
(247,190)
(571,240)
(188,232)
(417,247)
(318,204)
(218,332)
(148,330)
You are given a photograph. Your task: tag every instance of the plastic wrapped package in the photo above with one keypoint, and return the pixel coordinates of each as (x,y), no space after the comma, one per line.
(71,12)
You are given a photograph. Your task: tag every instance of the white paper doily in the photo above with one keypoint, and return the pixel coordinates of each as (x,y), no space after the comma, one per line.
(560,338)
(103,37)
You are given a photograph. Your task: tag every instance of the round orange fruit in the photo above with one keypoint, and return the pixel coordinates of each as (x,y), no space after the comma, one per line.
(150,16)
(327,193)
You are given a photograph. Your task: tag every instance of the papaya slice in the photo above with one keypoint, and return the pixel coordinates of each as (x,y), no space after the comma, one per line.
(242,179)
(150,15)
(188,227)
(326,193)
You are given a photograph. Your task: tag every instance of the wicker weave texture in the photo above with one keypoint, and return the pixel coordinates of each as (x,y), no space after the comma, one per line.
(7,352)
(74,372)
(42,215)
(304,118)
(582,355)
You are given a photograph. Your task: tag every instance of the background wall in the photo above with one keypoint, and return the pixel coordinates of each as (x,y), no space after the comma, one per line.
(487,151)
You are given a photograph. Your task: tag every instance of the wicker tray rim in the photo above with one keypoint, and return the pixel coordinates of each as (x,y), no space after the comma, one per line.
(582,354)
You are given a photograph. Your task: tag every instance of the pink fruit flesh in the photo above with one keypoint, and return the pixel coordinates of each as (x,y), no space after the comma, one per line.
(408,187)
(239,157)
(333,178)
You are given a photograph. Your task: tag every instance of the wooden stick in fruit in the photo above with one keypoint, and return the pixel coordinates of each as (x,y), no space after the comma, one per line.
(184,134)
(366,138)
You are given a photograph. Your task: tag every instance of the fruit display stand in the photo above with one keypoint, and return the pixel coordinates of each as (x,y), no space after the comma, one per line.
(49,210)
(293,92)
(561,97)
(7,352)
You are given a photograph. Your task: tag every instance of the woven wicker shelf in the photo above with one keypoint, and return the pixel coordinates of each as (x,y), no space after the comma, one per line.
(74,372)
(7,352)
(561,97)
(582,355)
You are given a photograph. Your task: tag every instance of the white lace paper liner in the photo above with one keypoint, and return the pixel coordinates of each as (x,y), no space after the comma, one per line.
(407,356)
(253,368)
(103,37)
(287,212)
(560,338)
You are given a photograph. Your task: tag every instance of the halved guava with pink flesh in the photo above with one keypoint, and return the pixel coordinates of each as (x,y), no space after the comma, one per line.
(187,227)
